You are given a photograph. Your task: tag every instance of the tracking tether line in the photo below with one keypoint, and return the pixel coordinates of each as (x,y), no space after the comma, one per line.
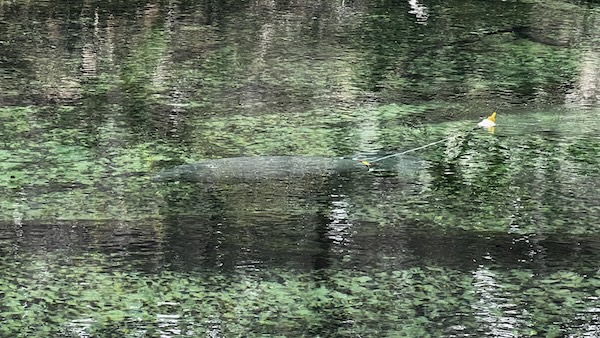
(409,150)
(489,122)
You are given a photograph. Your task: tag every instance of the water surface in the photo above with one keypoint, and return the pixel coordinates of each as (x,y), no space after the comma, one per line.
(487,233)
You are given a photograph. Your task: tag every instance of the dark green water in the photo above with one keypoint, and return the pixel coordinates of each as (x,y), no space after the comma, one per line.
(490,233)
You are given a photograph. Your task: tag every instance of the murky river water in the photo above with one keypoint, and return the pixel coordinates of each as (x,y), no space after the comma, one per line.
(483,233)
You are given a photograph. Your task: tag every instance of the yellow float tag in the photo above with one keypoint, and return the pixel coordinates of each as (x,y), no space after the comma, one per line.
(488,122)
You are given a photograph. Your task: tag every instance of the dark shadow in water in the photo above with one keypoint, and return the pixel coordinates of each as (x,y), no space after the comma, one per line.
(467,250)
(251,225)
(322,257)
(217,242)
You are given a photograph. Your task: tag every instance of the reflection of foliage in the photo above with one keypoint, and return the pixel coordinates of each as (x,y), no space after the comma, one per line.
(137,82)
(83,297)
(466,59)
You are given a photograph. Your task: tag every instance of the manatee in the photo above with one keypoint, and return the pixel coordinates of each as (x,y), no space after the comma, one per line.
(260,168)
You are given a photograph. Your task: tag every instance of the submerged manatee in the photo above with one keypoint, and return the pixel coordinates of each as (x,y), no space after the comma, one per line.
(260,168)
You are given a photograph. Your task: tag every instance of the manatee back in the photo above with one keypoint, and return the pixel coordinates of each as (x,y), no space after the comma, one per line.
(259,168)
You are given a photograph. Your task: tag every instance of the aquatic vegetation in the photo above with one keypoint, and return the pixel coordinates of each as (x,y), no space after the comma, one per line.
(82,297)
